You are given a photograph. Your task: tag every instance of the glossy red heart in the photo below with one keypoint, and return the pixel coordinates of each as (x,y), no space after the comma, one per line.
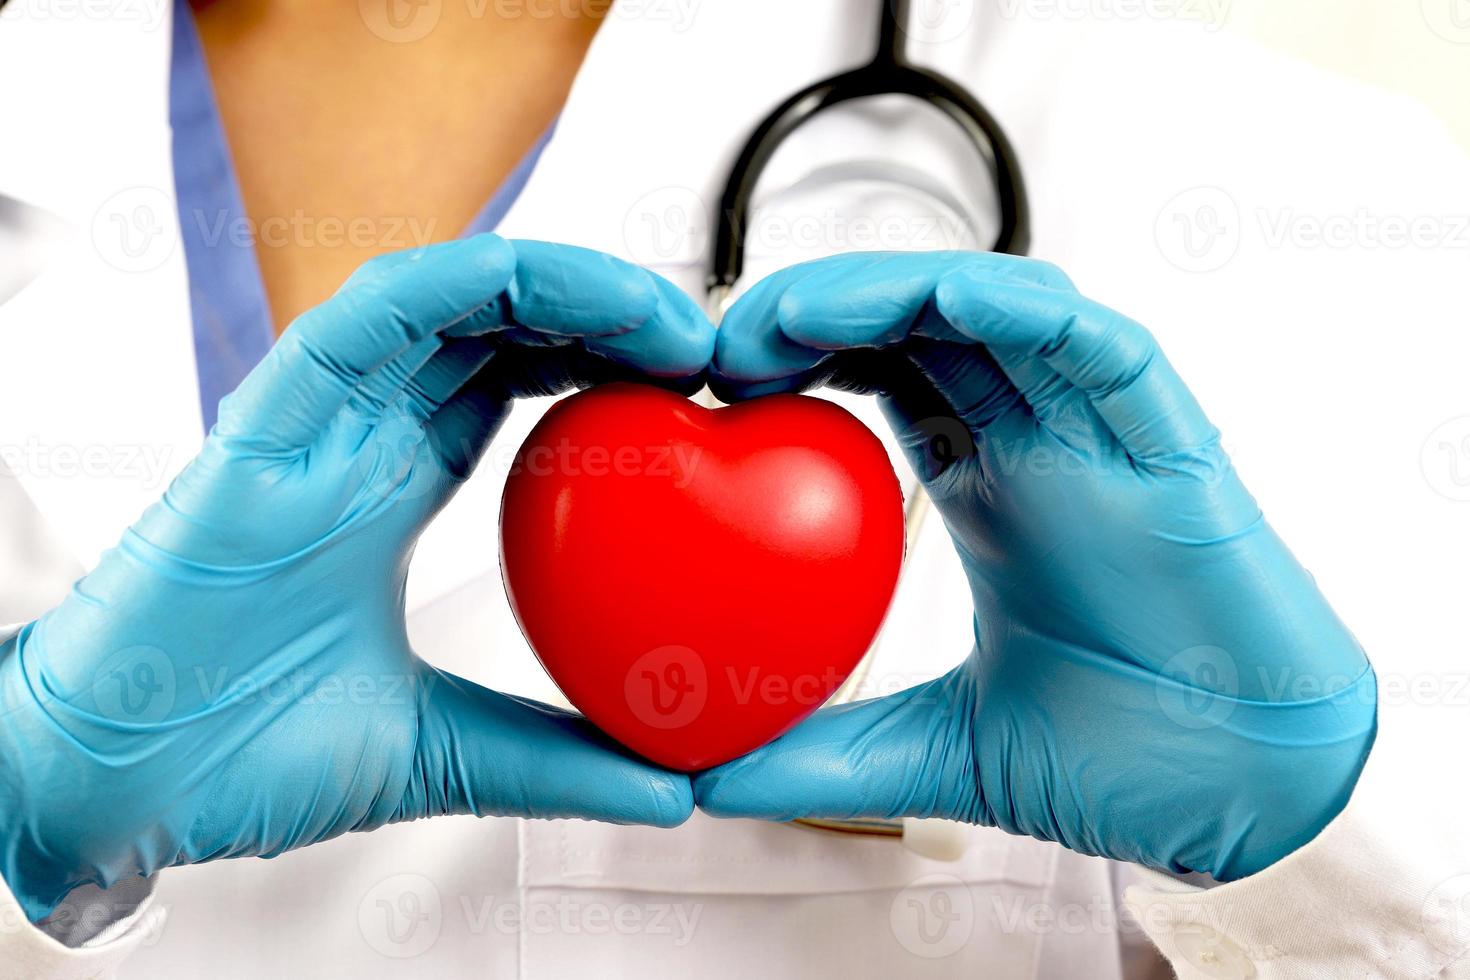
(697,581)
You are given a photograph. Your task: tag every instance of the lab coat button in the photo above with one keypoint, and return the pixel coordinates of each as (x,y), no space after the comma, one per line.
(1212,953)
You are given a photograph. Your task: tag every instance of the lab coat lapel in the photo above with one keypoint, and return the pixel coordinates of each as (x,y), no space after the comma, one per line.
(98,391)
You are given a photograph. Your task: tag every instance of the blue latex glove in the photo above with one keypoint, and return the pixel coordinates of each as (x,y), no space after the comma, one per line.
(234,678)
(1155,678)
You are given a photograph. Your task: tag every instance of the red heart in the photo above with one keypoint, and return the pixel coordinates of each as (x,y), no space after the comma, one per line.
(698,581)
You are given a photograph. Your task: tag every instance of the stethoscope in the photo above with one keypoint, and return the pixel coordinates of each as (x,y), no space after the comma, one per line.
(888,73)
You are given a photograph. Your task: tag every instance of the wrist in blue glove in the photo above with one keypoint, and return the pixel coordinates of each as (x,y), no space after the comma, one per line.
(1155,678)
(234,678)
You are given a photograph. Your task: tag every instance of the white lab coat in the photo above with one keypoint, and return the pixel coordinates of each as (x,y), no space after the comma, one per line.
(1176,172)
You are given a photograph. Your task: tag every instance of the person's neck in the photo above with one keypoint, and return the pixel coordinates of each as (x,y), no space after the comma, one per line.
(437,24)
(334,110)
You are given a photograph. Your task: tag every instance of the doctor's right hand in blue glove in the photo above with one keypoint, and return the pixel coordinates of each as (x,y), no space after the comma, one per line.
(234,677)
(1155,678)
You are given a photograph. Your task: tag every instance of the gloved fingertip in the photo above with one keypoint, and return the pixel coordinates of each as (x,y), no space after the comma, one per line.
(693,336)
(729,792)
(952,294)
(572,290)
(766,355)
(809,317)
(961,299)
(494,255)
(635,293)
(672,800)
(706,787)
(676,341)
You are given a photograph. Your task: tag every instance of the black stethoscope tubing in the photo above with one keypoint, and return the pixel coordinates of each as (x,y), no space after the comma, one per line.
(888,73)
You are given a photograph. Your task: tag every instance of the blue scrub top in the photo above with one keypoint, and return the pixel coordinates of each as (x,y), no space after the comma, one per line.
(227,300)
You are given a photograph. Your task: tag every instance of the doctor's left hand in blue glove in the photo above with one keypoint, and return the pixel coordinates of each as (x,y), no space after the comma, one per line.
(1155,678)
(234,678)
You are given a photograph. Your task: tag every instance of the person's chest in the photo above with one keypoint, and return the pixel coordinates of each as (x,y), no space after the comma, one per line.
(348,142)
